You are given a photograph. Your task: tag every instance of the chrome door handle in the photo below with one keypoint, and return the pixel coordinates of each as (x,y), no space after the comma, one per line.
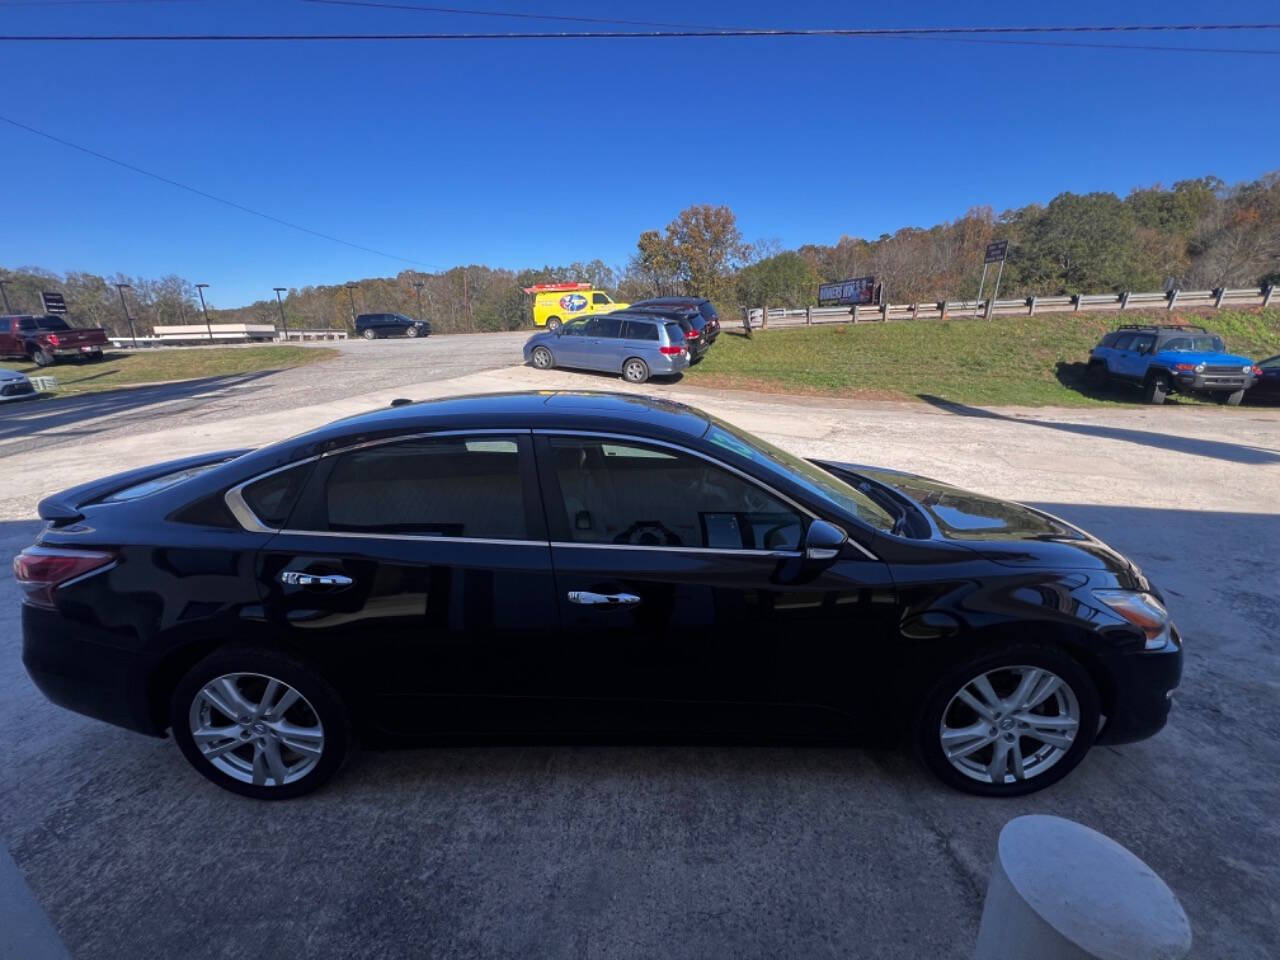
(589,599)
(297,578)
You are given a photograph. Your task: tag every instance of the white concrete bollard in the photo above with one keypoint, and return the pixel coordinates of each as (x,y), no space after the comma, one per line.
(1060,891)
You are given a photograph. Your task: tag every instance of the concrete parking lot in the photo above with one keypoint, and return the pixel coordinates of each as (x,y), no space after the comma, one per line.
(672,851)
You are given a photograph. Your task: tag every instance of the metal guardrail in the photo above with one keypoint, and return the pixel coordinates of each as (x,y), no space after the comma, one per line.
(1026,306)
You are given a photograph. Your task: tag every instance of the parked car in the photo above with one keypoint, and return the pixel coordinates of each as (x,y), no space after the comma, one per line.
(700,305)
(371,326)
(1266,387)
(693,338)
(552,564)
(44,340)
(1163,359)
(557,303)
(15,385)
(636,346)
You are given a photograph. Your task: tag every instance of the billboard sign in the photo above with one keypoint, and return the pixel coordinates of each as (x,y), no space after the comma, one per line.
(53,302)
(996,252)
(855,290)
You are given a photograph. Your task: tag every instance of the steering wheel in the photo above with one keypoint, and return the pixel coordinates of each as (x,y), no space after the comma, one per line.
(648,533)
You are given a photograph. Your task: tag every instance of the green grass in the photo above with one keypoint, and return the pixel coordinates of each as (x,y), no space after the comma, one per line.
(1030,361)
(120,369)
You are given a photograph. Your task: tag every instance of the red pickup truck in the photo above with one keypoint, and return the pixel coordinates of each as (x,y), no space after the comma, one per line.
(44,340)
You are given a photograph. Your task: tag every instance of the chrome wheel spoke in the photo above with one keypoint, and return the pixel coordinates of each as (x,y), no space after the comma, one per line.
(1015,760)
(1030,680)
(234,698)
(259,766)
(1046,688)
(289,698)
(999,762)
(275,763)
(976,705)
(268,695)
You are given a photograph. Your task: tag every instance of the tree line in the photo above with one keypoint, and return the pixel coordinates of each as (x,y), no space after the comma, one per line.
(1197,234)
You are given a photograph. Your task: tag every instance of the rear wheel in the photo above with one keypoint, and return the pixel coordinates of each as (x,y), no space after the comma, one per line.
(259,723)
(42,357)
(553,324)
(1009,722)
(1156,388)
(635,370)
(542,358)
(1233,399)
(370,334)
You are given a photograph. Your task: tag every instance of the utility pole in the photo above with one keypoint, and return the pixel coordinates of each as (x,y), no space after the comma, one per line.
(418,285)
(466,301)
(5,294)
(350,293)
(200,287)
(284,324)
(120,289)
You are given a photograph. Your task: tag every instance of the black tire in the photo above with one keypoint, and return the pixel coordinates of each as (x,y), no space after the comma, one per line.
(542,358)
(42,357)
(635,370)
(553,324)
(1233,399)
(930,716)
(1097,375)
(318,700)
(370,333)
(1156,389)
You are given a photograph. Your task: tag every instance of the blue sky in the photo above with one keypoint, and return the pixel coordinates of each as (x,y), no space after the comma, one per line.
(520,154)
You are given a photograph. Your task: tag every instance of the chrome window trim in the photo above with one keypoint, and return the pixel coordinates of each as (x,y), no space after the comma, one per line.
(726,551)
(234,498)
(755,481)
(423,537)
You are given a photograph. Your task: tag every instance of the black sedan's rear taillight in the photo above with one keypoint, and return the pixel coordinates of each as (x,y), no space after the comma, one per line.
(42,570)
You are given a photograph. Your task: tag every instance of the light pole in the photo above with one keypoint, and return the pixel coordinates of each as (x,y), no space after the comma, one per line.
(284,324)
(5,294)
(207,325)
(350,293)
(418,285)
(120,289)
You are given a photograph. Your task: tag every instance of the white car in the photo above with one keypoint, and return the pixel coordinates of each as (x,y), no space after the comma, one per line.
(15,385)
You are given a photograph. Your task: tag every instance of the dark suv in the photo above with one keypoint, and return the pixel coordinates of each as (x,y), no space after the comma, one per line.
(1166,358)
(374,325)
(701,306)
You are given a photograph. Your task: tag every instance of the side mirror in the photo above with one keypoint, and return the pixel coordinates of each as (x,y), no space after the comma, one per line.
(823,541)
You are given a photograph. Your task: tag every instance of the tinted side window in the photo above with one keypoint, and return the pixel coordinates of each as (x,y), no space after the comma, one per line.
(675,333)
(610,327)
(52,323)
(446,487)
(1143,343)
(4,324)
(272,498)
(707,310)
(625,493)
(1123,341)
(600,298)
(639,330)
(27,323)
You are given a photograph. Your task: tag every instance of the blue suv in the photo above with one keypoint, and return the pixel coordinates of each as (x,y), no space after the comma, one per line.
(1163,359)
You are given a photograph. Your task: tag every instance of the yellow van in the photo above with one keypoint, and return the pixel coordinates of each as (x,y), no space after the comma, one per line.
(554,303)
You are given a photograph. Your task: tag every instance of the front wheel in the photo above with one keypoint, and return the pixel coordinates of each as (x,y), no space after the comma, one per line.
(1157,389)
(1233,399)
(370,334)
(259,723)
(635,370)
(542,358)
(1010,722)
(411,332)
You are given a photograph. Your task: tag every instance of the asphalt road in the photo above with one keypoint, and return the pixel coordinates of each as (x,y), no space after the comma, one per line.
(361,367)
(696,851)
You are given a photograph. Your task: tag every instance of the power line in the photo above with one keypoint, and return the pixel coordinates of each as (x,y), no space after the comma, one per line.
(752,33)
(509,15)
(209,196)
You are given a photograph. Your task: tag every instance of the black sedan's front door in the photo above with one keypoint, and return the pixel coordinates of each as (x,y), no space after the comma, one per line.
(686,602)
(418,573)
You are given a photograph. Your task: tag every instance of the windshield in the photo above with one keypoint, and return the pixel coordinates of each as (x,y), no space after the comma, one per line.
(827,487)
(1197,344)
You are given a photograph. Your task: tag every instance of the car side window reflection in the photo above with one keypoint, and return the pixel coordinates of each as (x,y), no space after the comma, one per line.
(628,493)
(574,328)
(445,487)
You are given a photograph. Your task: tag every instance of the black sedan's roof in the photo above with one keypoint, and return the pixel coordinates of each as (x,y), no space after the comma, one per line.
(563,410)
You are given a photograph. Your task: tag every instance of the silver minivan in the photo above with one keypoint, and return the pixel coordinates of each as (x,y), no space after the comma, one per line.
(634,345)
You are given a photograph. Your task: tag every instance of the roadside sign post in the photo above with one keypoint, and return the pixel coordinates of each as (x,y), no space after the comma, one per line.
(996,253)
(53,302)
(207,325)
(284,323)
(120,289)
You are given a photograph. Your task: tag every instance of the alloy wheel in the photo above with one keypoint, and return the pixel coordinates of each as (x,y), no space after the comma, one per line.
(542,358)
(635,371)
(1009,724)
(256,729)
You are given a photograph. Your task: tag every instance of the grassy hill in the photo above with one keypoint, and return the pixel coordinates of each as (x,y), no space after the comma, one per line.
(1008,360)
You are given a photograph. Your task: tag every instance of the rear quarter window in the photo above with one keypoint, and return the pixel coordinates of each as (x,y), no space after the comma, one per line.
(674,332)
(272,497)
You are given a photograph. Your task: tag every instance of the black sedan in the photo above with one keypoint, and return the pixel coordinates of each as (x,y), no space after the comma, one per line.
(1266,386)
(536,566)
